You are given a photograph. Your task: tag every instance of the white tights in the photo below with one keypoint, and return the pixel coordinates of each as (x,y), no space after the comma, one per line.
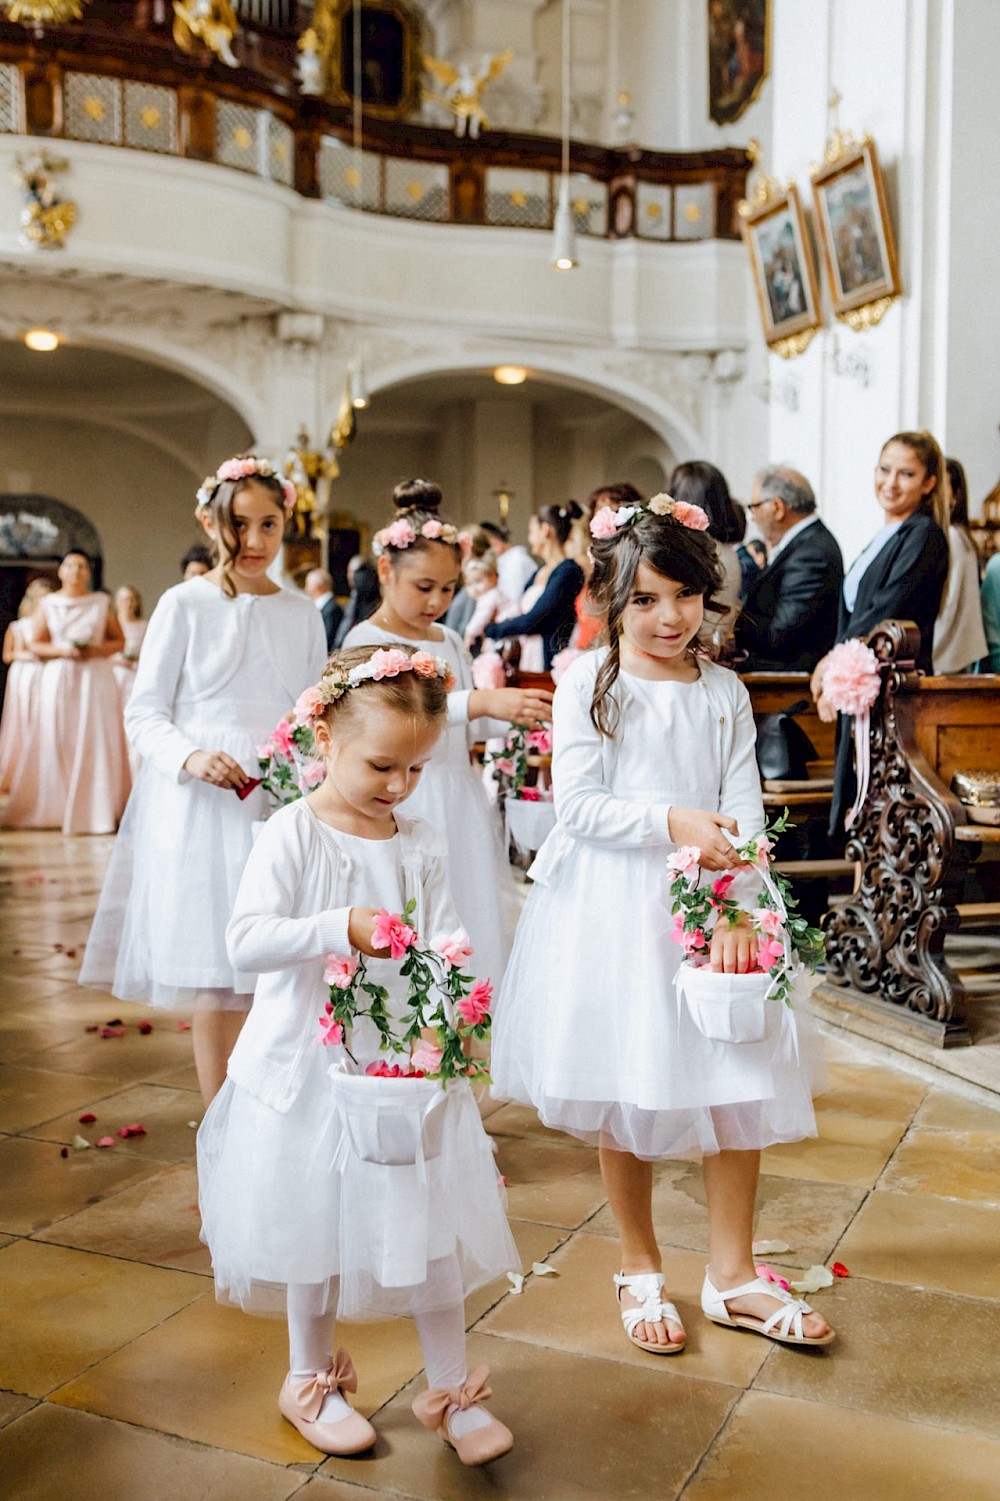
(442,1342)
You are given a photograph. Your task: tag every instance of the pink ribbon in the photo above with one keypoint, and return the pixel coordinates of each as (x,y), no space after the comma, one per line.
(432,1405)
(311,1392)
(863,760)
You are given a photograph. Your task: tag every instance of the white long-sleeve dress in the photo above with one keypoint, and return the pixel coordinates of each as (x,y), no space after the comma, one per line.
(215,674)
(589,1027)
(451,797)
(282,1202)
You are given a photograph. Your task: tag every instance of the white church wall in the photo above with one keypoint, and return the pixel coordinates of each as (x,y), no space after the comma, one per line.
(140,500)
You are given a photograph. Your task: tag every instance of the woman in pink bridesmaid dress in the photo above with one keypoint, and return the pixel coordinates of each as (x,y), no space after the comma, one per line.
(128,608)
(72,773)
(24,672)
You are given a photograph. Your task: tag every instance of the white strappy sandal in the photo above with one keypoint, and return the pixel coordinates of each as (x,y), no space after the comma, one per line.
(784,1325)
(646,1287)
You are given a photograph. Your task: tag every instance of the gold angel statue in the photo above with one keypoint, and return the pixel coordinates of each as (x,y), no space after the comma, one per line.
(461,88)
(210,21)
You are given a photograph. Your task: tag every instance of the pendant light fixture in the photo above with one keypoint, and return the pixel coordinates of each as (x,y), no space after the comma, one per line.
(564,257)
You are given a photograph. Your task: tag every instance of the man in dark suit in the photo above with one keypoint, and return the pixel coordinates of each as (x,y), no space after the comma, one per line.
(789,617)
(319,587)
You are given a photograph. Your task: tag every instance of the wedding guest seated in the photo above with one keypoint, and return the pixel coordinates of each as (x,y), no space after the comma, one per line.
(515,565)
(363,599)
(196,561)
(789,616)
(319,587)
(959,637)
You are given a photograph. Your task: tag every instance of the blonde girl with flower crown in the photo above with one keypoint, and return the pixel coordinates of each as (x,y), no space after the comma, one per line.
(298,1223)
(224,658)
(419,561)
(653,749)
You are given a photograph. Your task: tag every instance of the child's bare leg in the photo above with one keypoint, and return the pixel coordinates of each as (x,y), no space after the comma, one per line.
(629,1185)
(214,1034)
(731,1189)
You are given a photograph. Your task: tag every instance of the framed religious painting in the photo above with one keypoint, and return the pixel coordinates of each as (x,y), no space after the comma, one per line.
(389,54)
(739,55)
(856,231)
(774,229)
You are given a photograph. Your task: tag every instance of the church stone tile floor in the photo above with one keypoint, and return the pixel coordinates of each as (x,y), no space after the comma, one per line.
(121,1379)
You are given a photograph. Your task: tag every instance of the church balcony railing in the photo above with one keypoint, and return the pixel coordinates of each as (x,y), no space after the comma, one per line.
(120,81)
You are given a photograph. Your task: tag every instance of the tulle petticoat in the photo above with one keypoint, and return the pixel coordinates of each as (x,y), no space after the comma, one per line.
(284,1202)
(159,934)
(590,1030)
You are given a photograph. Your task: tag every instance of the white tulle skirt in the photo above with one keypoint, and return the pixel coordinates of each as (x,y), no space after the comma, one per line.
(590,1030)
(159,933)
(285,1200)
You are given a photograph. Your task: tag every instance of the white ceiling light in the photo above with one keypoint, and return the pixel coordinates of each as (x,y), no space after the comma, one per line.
(42,340)
(510,375)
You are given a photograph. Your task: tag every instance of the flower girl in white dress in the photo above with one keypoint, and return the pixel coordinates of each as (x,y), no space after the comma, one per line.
(418,569)
(653,748)
(224,658)
(299,1219)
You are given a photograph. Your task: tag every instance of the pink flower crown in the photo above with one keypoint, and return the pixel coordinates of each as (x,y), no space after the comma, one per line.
(608,522)
(387,662)
(401,534)
(244,468)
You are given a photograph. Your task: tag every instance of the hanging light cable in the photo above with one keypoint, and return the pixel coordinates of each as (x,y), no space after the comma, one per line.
(564,256)
(357,384)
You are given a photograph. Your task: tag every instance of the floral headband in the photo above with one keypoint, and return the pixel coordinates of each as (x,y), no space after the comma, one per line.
(607,522)
(401,535)
(237,469)
(387,662)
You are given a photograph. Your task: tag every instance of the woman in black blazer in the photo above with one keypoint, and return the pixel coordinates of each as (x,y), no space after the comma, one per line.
(553,614)
(900,575)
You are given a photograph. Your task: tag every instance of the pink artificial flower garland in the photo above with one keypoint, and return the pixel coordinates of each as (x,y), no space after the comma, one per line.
(852,679)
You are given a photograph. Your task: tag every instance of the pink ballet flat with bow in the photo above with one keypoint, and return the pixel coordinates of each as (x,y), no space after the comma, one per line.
(434,1407)
(301,1399)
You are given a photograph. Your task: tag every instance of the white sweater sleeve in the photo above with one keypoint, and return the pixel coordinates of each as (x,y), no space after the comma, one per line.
(262,935)
(149,712)
(740,794)
(585,806)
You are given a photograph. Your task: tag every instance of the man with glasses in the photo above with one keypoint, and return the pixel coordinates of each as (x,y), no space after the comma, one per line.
(789,616)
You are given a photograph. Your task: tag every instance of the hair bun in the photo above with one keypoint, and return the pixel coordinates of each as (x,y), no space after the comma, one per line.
(573,511)
(417,495)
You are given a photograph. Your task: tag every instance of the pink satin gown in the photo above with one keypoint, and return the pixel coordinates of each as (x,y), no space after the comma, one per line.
(72,773)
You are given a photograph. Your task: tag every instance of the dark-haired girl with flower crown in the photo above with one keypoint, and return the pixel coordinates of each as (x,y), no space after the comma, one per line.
(419,559)
(653,749)
(224,658)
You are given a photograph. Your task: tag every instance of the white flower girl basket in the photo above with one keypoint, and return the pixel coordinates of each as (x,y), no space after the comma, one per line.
(391,1122)
(735,1008)
(529,824)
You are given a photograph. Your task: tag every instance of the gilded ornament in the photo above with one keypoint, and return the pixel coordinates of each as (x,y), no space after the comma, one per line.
(692,212)
(46,217)
(242,139)
(794,344)
(869,315)
(150,117)
(460,90)
(415,191)
(38,13)
(93,107)
(211,22)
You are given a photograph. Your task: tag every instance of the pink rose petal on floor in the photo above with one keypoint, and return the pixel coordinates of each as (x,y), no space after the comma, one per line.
(145,1028)
(183,1026)
(113,1031)
(87,1119)
(839,1269)
(105,1141)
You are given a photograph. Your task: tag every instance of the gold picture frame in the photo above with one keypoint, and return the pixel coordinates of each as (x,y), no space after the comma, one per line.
(781,259)
(855,230)
(739,56)
(391,52)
